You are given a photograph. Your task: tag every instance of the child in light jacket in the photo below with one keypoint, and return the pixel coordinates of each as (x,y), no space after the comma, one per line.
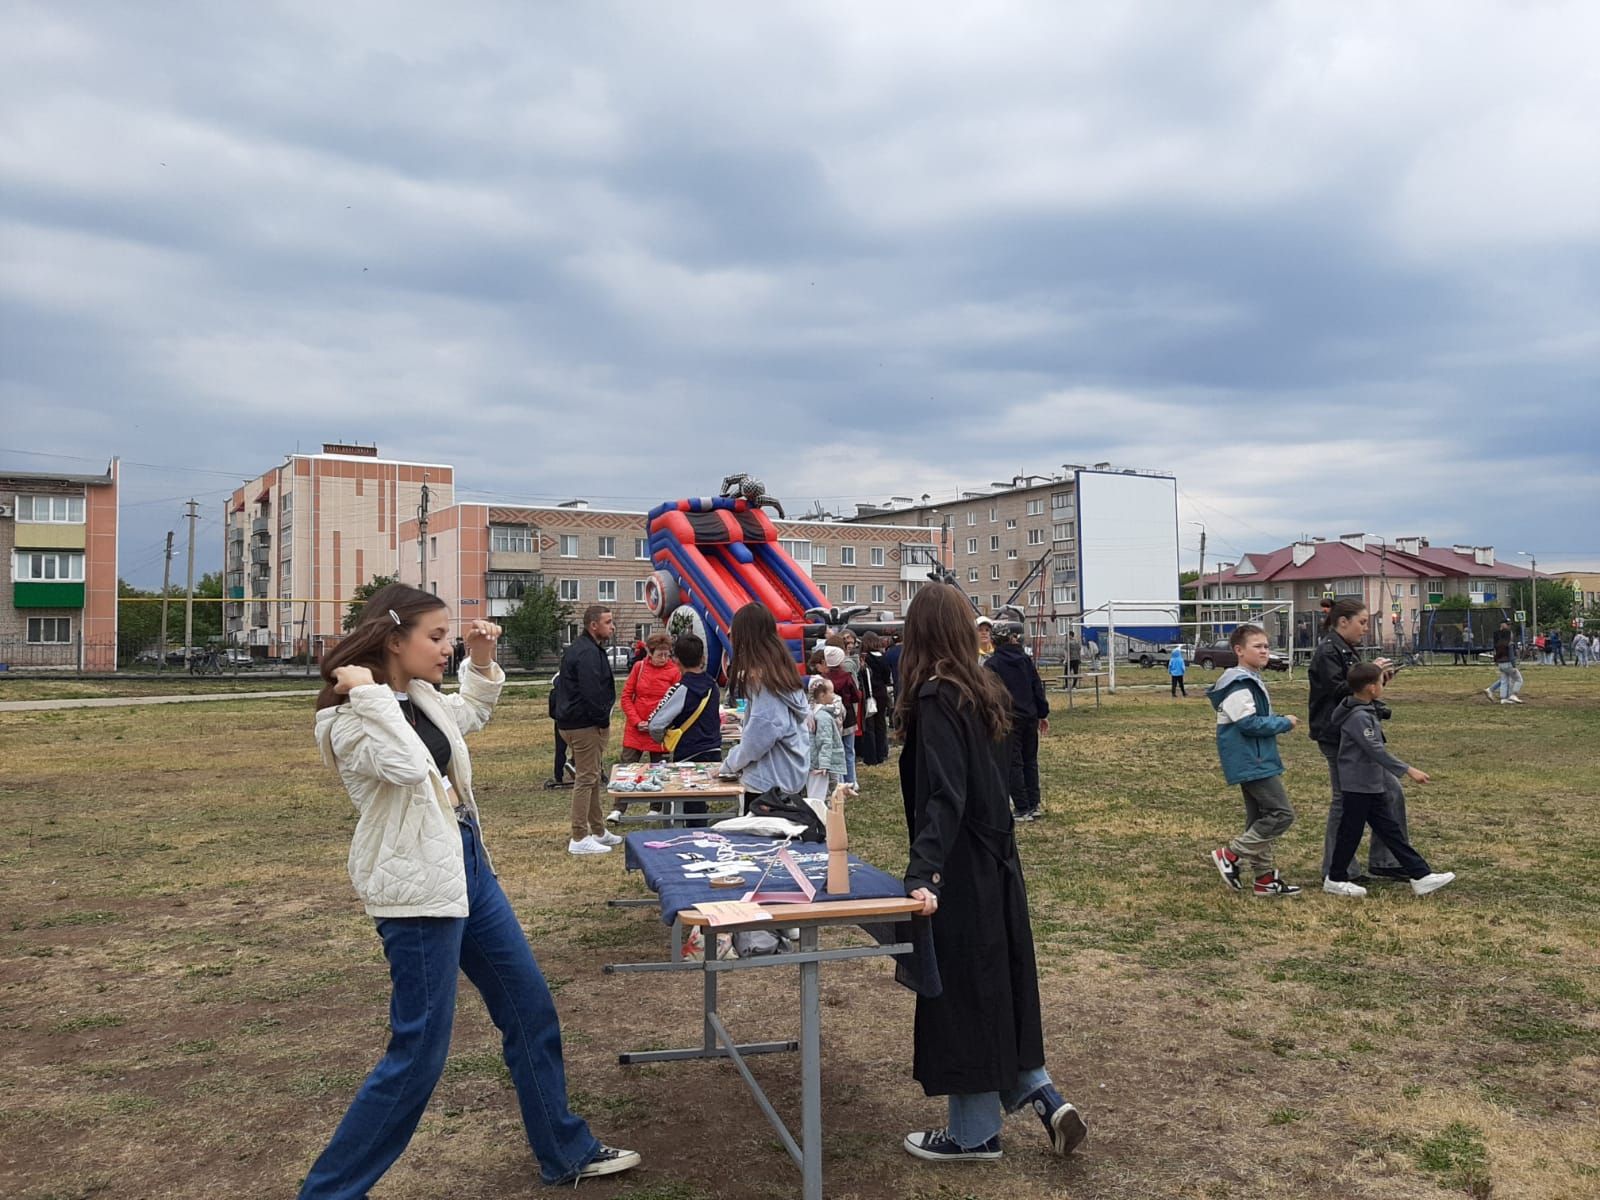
(827,746)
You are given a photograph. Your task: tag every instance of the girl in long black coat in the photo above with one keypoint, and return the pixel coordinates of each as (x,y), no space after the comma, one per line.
(980,1042)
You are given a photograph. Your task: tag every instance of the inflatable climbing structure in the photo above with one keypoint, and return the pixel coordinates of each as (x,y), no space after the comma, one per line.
(714,556)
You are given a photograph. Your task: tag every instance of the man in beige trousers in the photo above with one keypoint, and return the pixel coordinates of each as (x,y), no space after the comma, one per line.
(585,695)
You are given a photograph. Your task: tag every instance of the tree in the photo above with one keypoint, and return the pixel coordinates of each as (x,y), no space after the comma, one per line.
(534,626)
(365,592)
(208,616)
(1189,585)
(1555,602)
(138,621)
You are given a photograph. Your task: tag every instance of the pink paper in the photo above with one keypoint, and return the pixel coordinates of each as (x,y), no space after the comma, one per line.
(760,895)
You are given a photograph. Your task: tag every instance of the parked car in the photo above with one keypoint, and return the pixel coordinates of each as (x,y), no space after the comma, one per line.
(620,657)
(238,658)
(1219,654)
(1162,655)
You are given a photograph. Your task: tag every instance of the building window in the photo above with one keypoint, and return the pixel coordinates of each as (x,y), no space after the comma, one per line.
(1011,553)
(511,539)
(847,594)
(972,574)
(48,567)
(994,513)
(797,549)
(912,587)
(877,593)
(567,589)
(606,590)
(641,633)
(994,602)
(608,548)
(433,547)
(972,545)
(49,631)
(569,545)
(823,588)
(1011,522)
(1035,537)
(50,510)
(819,556)
(1036,599)
(1058,594)
(847,556)
(994,542)
(994,571)
(638,590)
(641,549)
(1036,507)
(505,586)
(1060,500)
(877,556)
(1061,531)
(572,632)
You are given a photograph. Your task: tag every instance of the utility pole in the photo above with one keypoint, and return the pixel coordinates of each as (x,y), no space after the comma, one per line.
(192,516)
(1533,586)
(1199,591)
(166,587)
(422,531)
(1383,591)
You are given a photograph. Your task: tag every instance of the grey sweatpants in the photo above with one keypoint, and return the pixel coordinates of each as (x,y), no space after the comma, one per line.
(1267,818)
(1379,856)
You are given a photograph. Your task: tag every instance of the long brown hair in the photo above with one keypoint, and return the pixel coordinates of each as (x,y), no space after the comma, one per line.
(1343,609)
(941,640)
(760,659)
(391,610)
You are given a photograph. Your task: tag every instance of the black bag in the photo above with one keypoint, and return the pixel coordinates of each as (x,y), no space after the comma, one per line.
(775,802)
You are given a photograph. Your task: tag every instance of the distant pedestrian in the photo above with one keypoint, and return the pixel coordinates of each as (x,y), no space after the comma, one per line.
(1553,643)
(1176,667)
(1580,649)
(1505,660)
(1030,716)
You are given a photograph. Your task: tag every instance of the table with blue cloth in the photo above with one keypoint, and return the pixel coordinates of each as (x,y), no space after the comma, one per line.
(876,903)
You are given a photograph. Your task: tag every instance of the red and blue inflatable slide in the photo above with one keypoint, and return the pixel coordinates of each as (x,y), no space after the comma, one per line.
(714,556)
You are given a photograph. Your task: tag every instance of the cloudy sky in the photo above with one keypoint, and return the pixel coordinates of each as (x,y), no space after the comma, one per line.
(1336,266)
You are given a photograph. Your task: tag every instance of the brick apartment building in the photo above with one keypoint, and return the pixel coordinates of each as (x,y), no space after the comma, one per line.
(1402,582)
(58,539)
(300,538)
(480,558)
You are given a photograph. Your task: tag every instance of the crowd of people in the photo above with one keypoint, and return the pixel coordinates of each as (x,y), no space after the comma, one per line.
(967,705)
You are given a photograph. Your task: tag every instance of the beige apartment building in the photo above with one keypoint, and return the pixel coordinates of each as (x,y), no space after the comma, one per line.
(994,539)
(479,559)
(300,538)
(58,540)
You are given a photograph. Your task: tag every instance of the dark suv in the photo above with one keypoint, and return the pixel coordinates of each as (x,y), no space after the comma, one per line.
(1220,654)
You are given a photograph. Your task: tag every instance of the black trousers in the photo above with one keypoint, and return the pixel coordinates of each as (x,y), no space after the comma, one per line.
(872,747)
(1369,808)
(1024,773)
(561,757)
(1177,685)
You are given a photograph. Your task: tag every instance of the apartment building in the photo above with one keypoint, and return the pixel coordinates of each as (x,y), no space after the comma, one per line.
(1400,581)
(58,539)
(301,537)
(480,559)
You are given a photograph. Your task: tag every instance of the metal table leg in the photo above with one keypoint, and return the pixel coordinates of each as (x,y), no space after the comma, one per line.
(810,1069)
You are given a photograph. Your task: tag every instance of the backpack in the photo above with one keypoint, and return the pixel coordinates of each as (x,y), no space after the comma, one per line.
(775,802)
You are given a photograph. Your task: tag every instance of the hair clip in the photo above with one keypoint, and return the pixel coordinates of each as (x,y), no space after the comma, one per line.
(395,617)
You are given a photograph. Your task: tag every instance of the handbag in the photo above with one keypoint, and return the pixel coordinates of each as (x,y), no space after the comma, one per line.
(775,802)
(674,733)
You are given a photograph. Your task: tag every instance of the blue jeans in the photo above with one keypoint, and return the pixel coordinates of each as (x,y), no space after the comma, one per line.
(425,954)
(976,1118)
(849,755)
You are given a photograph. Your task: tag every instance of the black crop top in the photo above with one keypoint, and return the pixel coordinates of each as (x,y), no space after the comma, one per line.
(432,736)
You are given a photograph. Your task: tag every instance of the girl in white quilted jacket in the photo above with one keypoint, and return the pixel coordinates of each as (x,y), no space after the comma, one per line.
(418,863)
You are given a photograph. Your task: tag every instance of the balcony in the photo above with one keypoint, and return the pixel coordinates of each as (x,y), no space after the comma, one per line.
(261,527)
(916,560)
(51,594)
(514,560)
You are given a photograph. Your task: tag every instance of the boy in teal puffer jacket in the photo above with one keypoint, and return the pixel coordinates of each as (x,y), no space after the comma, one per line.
(1247,744)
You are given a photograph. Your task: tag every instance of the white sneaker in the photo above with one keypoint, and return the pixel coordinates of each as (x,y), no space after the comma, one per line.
(1516,699)
(607,839)
(588,845)
(1337,888)
(613,816)
(1432,883)
(1489,692)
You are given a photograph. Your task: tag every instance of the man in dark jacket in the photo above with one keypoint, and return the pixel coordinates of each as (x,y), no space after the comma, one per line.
(585,695)
(1030,716)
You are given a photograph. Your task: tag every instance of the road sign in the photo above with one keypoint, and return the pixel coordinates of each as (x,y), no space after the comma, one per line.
(1396,607)
(1522,616)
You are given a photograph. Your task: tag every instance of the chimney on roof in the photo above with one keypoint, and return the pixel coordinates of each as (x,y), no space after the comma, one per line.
(573,504)
(1356,541)
(1460,549)
(1303,552)
(1410,545)
(1483,555)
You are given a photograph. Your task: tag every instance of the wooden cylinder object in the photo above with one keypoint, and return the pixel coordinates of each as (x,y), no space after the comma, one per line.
(838,846)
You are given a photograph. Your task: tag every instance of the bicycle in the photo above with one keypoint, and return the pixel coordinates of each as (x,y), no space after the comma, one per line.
(207,663)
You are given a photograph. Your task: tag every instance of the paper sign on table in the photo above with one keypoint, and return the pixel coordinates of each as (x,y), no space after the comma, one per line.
(731,912)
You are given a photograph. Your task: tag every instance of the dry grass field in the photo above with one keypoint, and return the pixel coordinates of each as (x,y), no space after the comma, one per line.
(190,993)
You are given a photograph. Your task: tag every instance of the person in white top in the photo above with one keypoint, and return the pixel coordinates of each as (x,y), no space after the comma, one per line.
(418,863)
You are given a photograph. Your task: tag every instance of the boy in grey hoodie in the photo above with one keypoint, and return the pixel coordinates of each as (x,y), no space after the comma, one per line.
(1363,759)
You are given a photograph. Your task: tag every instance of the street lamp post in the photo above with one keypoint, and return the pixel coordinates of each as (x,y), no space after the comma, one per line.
(1200,584)
(1533,587)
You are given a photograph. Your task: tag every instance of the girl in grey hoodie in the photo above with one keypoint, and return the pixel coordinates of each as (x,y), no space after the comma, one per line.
(774,750)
